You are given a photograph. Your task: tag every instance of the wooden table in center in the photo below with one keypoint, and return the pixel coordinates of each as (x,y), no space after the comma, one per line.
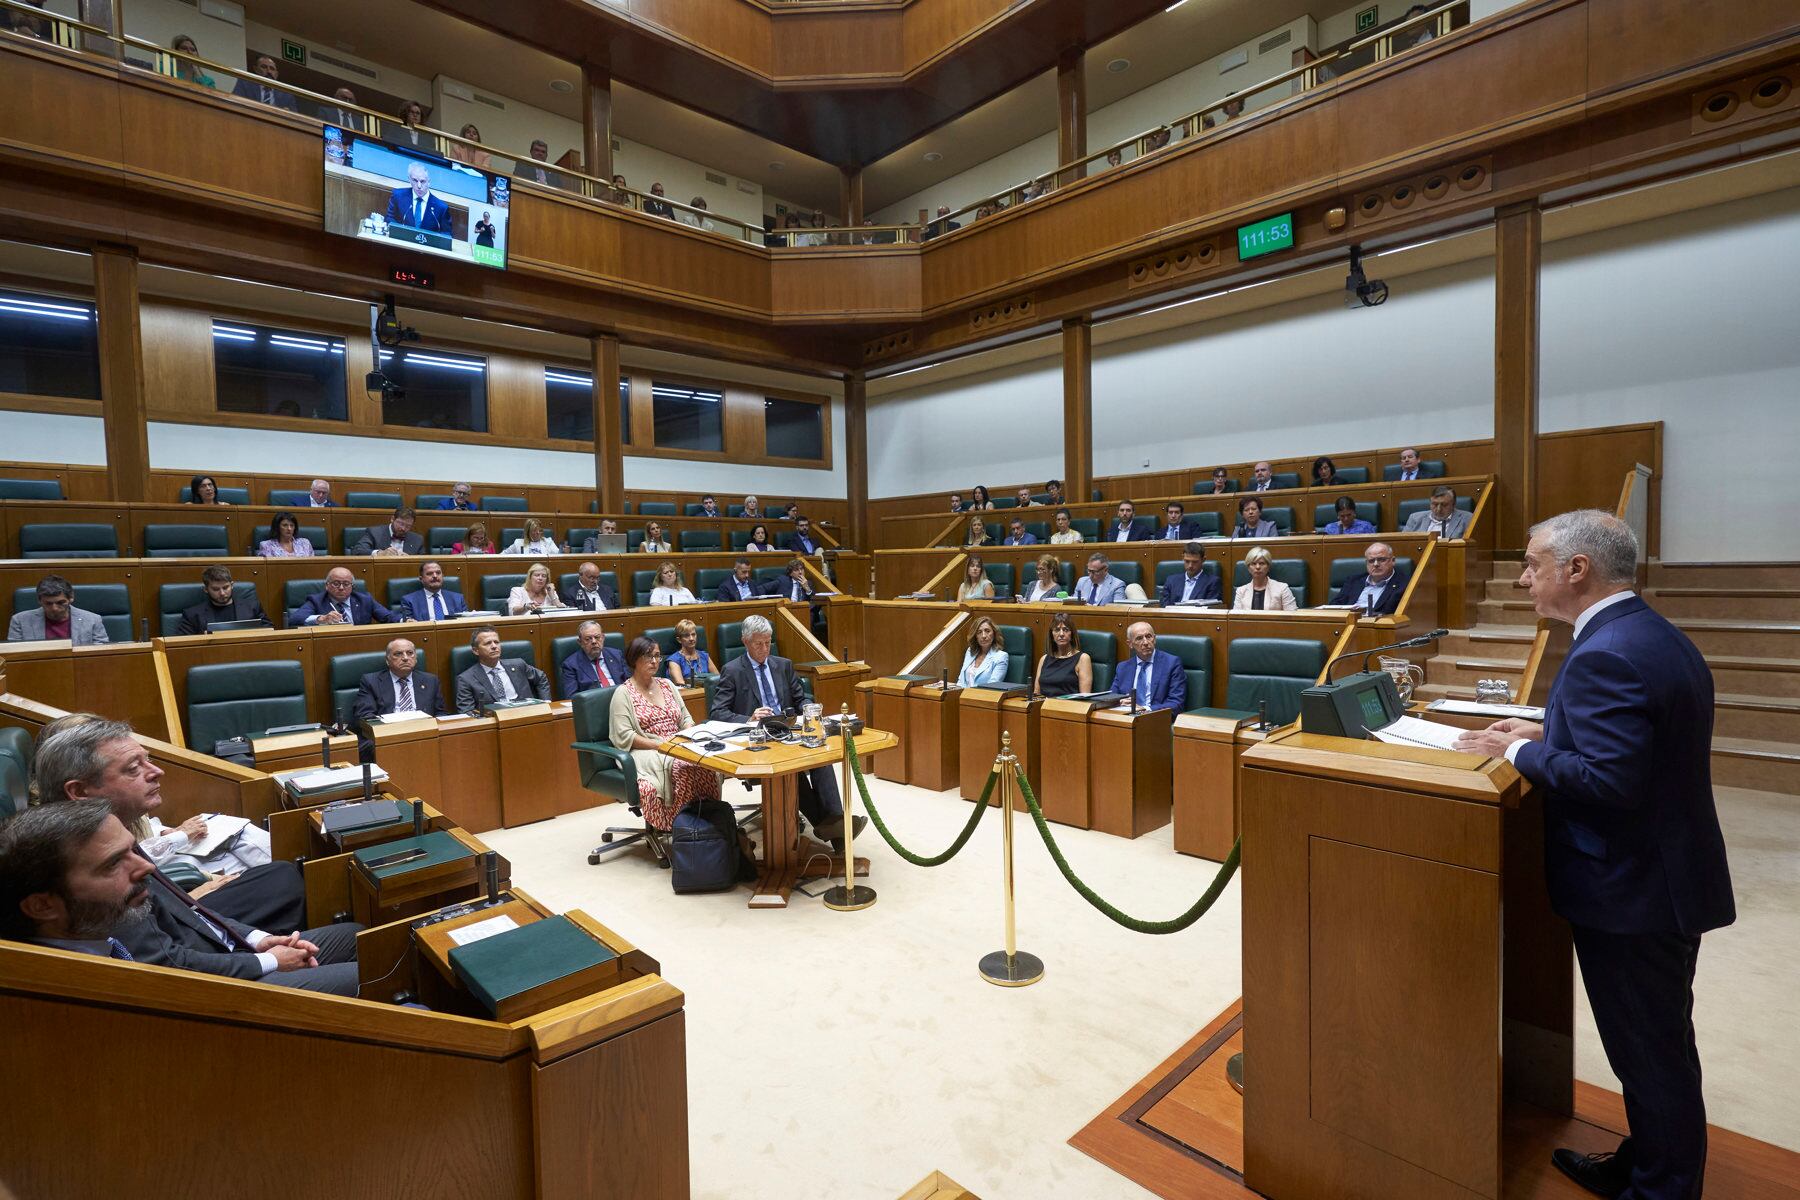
(778,765)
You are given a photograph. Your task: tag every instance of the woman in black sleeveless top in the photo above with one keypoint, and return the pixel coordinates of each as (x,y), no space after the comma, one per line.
(1065,670)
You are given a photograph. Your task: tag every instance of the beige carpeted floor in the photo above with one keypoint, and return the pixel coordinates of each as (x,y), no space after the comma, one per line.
(850,1054)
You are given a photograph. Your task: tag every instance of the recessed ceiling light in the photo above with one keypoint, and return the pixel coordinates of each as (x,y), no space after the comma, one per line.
(932,156)
(1119,64)
(561,85)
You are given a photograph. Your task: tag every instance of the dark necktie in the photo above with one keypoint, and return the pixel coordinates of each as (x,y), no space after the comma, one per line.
(207,916)
(418,212)
(767,685)
(344,612)
(268,94)
(118,949)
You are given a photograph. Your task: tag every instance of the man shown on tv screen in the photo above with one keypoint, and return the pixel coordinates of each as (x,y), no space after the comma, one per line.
(416,206)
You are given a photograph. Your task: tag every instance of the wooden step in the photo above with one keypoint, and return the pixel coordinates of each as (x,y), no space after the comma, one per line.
(1491,641)
(1746,604)
(1752,763)
(1715,575)
(1510,612)
(1750,675)
(1769,639)
(1507,569)
(1462,671)
(1764,718)
(1506,589)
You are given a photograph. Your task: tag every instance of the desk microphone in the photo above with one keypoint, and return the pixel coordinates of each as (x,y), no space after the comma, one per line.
(418,818)
(944,678)
(1409,644)
(368,783)
(325,750)
(490,864)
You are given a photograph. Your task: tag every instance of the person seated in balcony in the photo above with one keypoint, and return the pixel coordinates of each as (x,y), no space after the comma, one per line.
(689,662)
(339,604)
(1378,589)
(1125,527)
(284,540)
(698,220)
(1053,496)
(803,540)
(709,507)
(792,586)
(1016,535)
(1157,139)
(941,225)
(407,132)
(956,502)
(1250,523)
(587,592)
(975,583)
(535,594)
(264,90)
(533,540)
(1262,477)
(654,542)
(222,603)
(985,659)
(1419,34)
(621,192)
(759,542)
(203,489)
(1063,534)
(1262,593)
(56,618)
(739,585)
(1221,483)
(752,509)
(1443,518)
(1025,500)
(534,172)
(608,528)
(1233,108)
(475,541)
(980,498)
(190,72)
(395,537)
(1114,157)
(1324,473)
(1193,583)
(478,158)
(1177,526)
(26,25)
(1409,465)
(656,205)
(1347,520)
(669,589)
(460,499)
(978,534)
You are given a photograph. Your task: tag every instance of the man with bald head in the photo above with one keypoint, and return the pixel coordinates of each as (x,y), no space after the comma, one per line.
(415,207)
(1150,678)
(399,687)
(319,495)
(1378,589)
(340,604)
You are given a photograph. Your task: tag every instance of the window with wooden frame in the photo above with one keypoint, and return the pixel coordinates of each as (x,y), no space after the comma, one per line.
(278,372)
(49,346)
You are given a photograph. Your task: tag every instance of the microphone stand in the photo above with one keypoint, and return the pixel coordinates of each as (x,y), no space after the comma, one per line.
(1408,644)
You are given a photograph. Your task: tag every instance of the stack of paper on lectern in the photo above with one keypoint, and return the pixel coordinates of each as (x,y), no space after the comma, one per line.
(320,780)
(1412,731)
(1474,709)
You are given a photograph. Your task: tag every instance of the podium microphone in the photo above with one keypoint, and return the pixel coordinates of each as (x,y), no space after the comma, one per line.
(368,783)
(1409,644)
(490,865)
(325,750)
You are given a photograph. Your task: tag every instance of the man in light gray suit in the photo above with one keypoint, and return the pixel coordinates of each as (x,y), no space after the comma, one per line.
(57,618)
(493,678)
(1444,518)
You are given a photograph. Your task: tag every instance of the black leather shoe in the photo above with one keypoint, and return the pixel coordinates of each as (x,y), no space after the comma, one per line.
(1604,1174)
(833,830)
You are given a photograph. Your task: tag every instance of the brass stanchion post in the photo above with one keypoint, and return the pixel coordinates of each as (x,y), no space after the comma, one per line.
(1009,967)
(849,895)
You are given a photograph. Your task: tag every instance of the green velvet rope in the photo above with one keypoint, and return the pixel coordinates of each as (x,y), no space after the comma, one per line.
(1175,924)
(917,860)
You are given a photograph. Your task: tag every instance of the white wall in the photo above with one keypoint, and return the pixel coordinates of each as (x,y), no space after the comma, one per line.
(55,438)
(988,428)
(160,20)
(1692,320)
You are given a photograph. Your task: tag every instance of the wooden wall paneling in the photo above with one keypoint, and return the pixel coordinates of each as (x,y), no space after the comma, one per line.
(856,453)
(609,449)
(179,383)
(643,418)
(1581,468)
(596,121)
(117,302)
(1518,254)
(515,396)
(1629,42)
(1071,109)
(744,431)
(810,44)
(844,285)
(1078,408)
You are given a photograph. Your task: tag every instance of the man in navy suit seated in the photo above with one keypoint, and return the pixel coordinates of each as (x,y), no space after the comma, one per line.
(1379,588)
(1193,583)
(1125,528)
(593,664)
(319,495)
(740,585)
(415,206)
(588,593)
(1633,856)
(266,93)
(433,601)
(1153,676)
(339,604)
(802,540)
(397,687)
(460,499)
(1176,526)
(1016,535)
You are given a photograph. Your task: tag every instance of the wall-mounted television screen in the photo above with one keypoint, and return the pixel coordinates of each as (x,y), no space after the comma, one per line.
(396,194)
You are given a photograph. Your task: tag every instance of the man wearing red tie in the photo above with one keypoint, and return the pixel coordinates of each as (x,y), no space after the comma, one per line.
(593,665)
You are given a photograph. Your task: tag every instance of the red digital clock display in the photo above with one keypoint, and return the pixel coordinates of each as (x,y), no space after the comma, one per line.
(412,278)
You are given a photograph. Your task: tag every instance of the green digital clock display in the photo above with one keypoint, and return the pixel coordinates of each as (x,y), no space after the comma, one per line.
(1265,237)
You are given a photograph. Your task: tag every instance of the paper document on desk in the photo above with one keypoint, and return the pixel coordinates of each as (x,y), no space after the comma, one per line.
(320,779)
(1471,708)
(220,830)
(394,718)
(1209,602)
(1413,731)
(708,731)
(462,935)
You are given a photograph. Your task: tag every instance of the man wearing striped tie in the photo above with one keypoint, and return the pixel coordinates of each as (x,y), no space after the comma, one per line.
(398,687)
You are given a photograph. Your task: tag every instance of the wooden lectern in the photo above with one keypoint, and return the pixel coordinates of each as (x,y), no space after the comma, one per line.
(1105,768)
(932,744)
(1404,978)
(985,715)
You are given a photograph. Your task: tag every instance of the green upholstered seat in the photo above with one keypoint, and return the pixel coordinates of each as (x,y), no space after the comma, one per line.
(496,588)
(463,657)
(1353,474)
(1087,527)
(730,635)
(1006,502)
(633,539)
(290,497)
(1001,573)
(740,538)
(664,637)
(346,672)
(111,602)
(387,500)
(1421,504)
(185,541)
(505,504)
(295,591)
(1196,655)
(1127,573)
(603,768)
(642,584)
(567,644)
(31,489)
(68,541)
(430,500)
(610,578)
(173,598)
(398,588)
(697,540)
(764,576)
(227,700)
(1284,479)
(1429,468)
(442,539)
(15,787)
(227,495)
(1275,670)
(1039,530)
(1366,510)
(708,579)
(656,508)
(1205,524)
(1103,648)
(1291,571)
(1021,656)
(1176,566)
(1342,569)
(578,537)
(1283,516)
(1203,486)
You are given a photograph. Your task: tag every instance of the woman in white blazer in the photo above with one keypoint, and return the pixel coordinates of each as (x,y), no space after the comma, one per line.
(1262,593)
(534,541)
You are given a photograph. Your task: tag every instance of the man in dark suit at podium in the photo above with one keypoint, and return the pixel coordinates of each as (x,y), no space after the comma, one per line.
(1634,859)
(415,206)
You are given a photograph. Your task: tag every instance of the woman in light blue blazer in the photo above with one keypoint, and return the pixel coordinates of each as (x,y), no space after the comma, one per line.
(984,662)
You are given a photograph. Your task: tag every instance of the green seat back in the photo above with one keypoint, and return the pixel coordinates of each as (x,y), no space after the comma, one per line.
(1283,516)
(227,700)
(398,588)
(1429,468)
(1196,655)
(463,657)
(387,500)
(227,495)
(1275,670)
(1021,656)
(295,591)
(1421,504)
(172,598)
(577,537)
(1103,648)
(1203,485)
(635,538)
(1087,527)
(1168,567)
(496,588)
(1284,479)
(346,672)
(740,538)
(1342,569)
(15,741)
(698,540)
(31,489)
(656,508)
(1127,572)
(1039,530)
(15,787)
(315,534)
(1353,474)
(68,541)
(613,775)
(1001,573)
(185,541)
(442,539)
(1006,502)
(430,500)
(1366,510)
(610,578)
(567,644)
(111,602)
(708,579)
(731,642)
(1291,571)
(642,583)
(504,504)
(290,498)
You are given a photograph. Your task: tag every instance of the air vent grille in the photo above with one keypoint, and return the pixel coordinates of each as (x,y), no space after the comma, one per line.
(1275,43)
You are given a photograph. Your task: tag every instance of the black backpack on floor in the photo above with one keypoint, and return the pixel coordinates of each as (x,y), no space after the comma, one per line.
(703,848)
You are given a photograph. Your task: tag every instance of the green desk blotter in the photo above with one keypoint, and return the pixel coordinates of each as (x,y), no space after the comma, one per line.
(495,969)
(440,847)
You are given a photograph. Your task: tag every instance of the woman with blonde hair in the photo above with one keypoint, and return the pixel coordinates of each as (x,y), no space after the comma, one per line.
(978,534)
(533,541)
(689,662)
(984,662)
(1048,582)
(975,583)
(480,159)
(669,589)
(1262,593)
(535,594)
(654,542)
